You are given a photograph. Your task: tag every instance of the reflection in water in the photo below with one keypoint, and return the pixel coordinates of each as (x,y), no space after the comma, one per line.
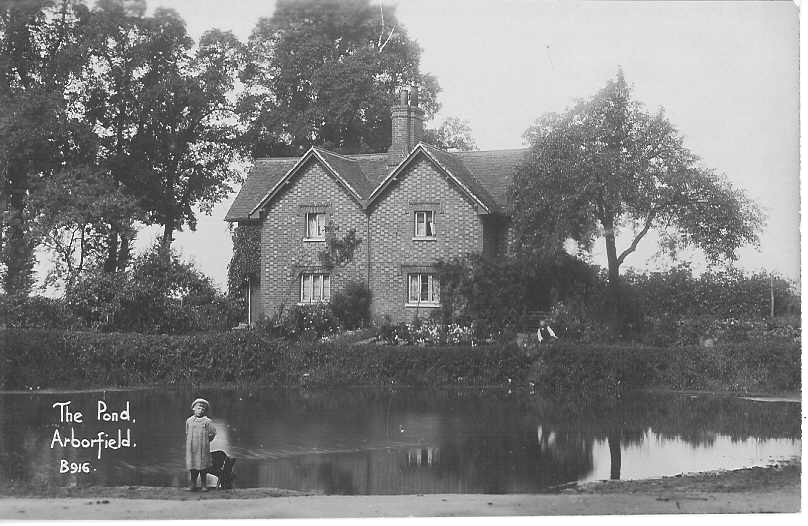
(405,441)
(422,456)
(615,455)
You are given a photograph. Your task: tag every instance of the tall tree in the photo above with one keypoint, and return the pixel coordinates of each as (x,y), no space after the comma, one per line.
(110,93)
(188,143)
(605,166)
(452,135)
(41,50)
(164,112)
(325,73)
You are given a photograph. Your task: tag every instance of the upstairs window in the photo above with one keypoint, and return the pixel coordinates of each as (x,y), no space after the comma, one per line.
(315,288)
(423,289)
(315,225)
(425,224)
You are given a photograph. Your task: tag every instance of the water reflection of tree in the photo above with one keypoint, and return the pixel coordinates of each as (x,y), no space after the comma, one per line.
(494,452)
(694,419)
(697,420)
(482,444)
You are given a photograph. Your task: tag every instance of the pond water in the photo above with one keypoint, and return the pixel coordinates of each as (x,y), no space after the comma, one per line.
(401,441)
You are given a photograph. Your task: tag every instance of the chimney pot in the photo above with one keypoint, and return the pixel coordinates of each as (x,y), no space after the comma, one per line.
(407,122)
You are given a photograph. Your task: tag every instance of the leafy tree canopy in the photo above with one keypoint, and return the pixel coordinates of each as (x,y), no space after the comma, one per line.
(454,134)
(162,107)
(325,73)
(606,165)
(41,49)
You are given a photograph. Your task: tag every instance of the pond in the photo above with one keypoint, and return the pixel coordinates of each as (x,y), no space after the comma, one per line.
(392,441)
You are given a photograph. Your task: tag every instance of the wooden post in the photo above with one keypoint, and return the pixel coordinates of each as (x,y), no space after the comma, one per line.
(771,295)
(249,302)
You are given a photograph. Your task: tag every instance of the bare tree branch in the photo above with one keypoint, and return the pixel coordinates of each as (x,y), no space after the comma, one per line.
(388,38)
(648,221)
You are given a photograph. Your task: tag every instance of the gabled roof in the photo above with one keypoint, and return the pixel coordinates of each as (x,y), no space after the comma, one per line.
(264,174)
(484,176)
(451,166)
(494,170)
(344,170)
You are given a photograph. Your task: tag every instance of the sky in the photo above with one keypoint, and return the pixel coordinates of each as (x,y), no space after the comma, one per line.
(726,73)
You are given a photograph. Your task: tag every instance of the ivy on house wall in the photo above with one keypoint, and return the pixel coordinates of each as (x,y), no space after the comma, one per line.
(246,260)
(338,251)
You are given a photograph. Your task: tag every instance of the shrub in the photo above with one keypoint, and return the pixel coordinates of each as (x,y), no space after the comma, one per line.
(352,305)
(221,314)
(309,322)
(498,292)
(118,359)
(157,295)
(745,367)
(432,332)
(697,330)
(96,299)
(129,359)
(246,260)
(36,312)
(724,294)
(387,330)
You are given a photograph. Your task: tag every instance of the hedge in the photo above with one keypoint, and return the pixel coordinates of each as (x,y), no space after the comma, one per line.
(31,358)
(61,359)
(759,366)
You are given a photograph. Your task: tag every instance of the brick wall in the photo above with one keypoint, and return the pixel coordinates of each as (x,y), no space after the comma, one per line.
(386,230)
(284,254)
(458,227)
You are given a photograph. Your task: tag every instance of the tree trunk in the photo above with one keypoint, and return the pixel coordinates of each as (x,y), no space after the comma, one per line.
(124,251)
(615,314)
(18,250)
(168,237)
(616,454)
(111,261)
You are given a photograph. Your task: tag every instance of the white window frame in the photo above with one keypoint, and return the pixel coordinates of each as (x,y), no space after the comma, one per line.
(429,218)
(320,288)
(433,290)
(319,219)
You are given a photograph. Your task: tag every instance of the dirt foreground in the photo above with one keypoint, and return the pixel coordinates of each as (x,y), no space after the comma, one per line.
(752,490)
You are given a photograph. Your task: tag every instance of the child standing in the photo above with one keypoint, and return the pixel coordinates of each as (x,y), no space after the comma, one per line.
(199,431)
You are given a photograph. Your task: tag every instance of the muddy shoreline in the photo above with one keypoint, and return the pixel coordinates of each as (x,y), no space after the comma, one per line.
(774,488)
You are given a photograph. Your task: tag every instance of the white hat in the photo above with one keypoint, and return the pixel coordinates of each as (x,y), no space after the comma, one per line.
(201,401)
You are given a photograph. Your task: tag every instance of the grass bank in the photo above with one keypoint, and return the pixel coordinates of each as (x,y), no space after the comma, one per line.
(62,359)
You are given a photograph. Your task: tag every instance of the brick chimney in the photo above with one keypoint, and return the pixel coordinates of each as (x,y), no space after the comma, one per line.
(407,126)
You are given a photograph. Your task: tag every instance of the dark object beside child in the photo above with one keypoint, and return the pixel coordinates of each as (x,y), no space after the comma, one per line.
(223,469)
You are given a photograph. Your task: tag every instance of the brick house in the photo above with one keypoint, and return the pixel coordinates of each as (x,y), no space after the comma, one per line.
(411,207)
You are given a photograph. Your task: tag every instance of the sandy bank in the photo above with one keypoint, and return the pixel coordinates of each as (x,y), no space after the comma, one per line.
(772,489)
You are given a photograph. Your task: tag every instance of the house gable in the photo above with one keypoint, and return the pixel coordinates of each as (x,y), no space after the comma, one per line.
(349,177)
(287,249)
(449,166)
(398,251)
